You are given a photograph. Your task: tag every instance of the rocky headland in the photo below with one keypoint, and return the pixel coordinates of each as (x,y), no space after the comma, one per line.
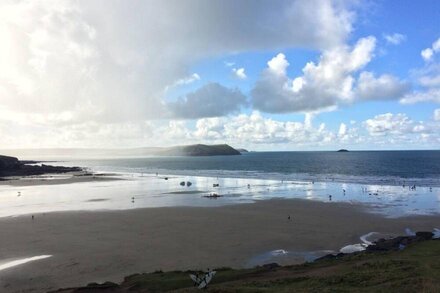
(11,166)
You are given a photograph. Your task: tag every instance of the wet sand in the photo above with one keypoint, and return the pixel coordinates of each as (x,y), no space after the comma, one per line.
(66,178)
(108,245)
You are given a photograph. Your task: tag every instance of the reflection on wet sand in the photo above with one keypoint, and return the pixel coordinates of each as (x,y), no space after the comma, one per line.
(154,191)
(14,263)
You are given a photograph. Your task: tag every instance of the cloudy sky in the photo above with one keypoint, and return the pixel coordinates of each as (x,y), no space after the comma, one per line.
(264,75)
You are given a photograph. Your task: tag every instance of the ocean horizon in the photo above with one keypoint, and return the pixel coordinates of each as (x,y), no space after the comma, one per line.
(421,167)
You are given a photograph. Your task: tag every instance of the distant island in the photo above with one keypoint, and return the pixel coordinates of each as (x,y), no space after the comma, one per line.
(342,151)
(197,150)
(11,166)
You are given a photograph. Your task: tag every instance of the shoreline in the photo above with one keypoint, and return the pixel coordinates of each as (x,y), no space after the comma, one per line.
(58,179)
(103,246)
(125,191)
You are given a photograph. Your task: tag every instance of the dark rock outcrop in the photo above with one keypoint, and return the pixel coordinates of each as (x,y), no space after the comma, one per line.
(11,166)
(330,256)
(400,242)
(392,244)
(271,266)
(9,163)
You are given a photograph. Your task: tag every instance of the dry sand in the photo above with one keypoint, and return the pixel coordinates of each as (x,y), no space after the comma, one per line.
(108,245)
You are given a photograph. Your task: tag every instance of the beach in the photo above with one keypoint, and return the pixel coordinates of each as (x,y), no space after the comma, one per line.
(121,217)
(97,246)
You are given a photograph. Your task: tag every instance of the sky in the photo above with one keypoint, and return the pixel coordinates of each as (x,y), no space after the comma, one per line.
(262,75)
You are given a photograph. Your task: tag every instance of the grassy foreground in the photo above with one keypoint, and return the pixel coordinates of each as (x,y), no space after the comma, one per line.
(414,269)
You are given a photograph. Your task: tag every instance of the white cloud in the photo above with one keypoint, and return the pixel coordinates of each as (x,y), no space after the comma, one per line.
(255,129)
(342,130)
(430,81)
(210,100)
(183,81)
(394,39)
(388,123)
(239,73)
(428,78)
(391,130)
(330,82)
(428,53)
(187,80)
(384,87)
(322,85)
(436,45)
(437,114)
(278,65)
(431,95)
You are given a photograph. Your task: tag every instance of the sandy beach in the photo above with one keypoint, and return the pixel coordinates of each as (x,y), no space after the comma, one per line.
(108,245)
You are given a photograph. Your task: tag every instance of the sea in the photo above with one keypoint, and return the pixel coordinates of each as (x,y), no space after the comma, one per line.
(392,183)
(369,167)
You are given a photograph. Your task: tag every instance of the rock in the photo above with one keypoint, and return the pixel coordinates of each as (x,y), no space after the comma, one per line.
(425,235)
(388,244)
(11,166)
(106,285)
(7,163)
(271,266)
(212,195)
(330,256)
(400,242)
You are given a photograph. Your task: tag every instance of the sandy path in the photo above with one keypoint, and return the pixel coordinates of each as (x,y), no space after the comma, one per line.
(108,245)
